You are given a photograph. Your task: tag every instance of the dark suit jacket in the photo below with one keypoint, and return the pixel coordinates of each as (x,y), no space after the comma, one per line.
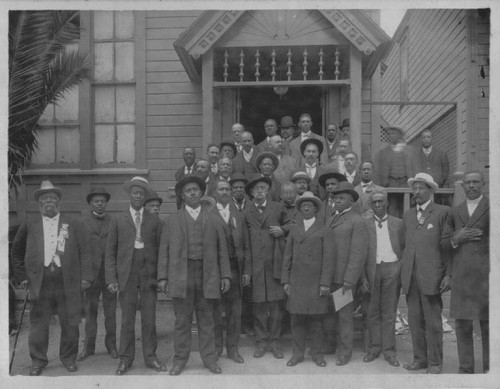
(325,211)
(357,179)
(240,165)
(436,164)
(396,236)
(295,149)
(331,152)
(314,185)
(363,205)
(305,268)
(28,261)
(173,260)
(470,263)
(120,247)
(264,146)
(422,244)
(386,158)
(346,241)
(180,172)
(96,240)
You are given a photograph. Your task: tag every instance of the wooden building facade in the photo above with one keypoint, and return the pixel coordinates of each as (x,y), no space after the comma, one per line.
(165,80)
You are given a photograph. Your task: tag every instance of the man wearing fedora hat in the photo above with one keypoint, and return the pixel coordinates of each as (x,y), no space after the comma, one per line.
(344,129)
(305,124)
(329,181)
(287,128)
(311,149)
(153,202)
(264,219)
(50,257)
(346,240)
(423,274)
(193,269)
(267,162)
(131,268)
(96,223)
(306,278)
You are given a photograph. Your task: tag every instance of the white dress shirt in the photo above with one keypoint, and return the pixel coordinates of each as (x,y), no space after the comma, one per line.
(137,244)
(50,232)
(385,253)
(193,212)
(427,151)
(350,177)
(421,209)
(309,222)
(262,205)
(472,205)
(248,156)
(365,185)
(311,170)
(304,136)
(224,211)
(188,170)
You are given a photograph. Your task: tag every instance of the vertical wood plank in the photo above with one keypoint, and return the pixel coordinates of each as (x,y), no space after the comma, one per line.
(208,99)
(355,98)
(376,113)
(86,101)
(472,159)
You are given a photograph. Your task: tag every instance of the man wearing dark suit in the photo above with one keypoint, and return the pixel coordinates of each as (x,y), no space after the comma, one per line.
(193,269)
(287,128)
(433,160)
(365,188)
(239,197)
(96,223)
(382,278)
(286,163)
(346,239)
(189,156)
(264,219)
(203,170)
(50,257)
(131,263)
(329,181)
(305,124)
(351,168)
(240,261)
(467,236)
(301,181)
(423,275)
(311,150)
(267,163)
(213,156)
(271,129)
(244,162)
(331,141)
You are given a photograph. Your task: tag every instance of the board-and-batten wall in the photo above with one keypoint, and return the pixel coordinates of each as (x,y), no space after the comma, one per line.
(173,102)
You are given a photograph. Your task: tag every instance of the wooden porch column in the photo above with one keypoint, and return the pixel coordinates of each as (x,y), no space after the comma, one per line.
(376,113)
(355,99)
(208,99)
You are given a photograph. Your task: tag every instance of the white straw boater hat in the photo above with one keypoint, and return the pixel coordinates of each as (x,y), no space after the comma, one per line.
(45,187)
(425,178)
(136,181)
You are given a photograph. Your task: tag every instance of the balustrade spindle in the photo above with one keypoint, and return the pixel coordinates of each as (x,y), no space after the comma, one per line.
(257,65)
(304,73)
(273,65)
(337,64)
(241,74)
(225,66)
(289,64)
(321,63)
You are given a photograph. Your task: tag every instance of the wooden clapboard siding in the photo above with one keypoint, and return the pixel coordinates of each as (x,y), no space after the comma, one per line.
(366,125)
(173,102)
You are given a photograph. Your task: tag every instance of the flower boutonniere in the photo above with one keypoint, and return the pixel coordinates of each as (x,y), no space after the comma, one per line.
(62,238)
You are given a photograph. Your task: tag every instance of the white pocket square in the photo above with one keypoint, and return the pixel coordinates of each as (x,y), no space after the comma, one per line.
(429,226)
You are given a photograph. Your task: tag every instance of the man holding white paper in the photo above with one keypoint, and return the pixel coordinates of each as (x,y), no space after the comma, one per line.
(346,238)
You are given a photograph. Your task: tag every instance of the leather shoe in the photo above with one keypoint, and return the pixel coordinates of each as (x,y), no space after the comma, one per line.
(213,368)
(434,369)
(415,366)
(71,367)
(319,361)
(259,352)
(277,352)
(236,357)
(294,361)
(113,352)
(156,365)
(393,361)
(176,369)
(122,368)
(84,355)
(370,357)
(342,360)
(36,370)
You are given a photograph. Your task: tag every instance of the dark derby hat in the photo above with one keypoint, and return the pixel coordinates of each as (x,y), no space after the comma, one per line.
(255,180)
(230,144)
(346,187)
(331,174)
(235,177)
(153,195)
(287,121)
(345,123)
(98,190)
(179,186)
(313,141)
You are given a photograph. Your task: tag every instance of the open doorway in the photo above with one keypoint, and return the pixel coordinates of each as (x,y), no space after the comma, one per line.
(259,104)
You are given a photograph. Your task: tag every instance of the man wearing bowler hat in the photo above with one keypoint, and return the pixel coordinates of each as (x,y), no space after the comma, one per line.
(96,223)
(153,202)
(131,263)
(346,239)
(50,258)
(329,181)
(287,128)
(423,274)
(193,269)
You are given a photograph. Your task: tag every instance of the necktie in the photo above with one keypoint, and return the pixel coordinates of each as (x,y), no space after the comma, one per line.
(309,171)
(419,214)
(138,226)
(261,208)
(52,265)
(380,221)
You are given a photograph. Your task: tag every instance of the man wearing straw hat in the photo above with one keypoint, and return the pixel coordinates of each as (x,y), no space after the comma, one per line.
(50,258)
(96,222)
(423,274)
(193,269)
(131,263)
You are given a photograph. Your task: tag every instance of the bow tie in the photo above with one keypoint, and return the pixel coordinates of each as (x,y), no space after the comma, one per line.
(364,185)
(380,221)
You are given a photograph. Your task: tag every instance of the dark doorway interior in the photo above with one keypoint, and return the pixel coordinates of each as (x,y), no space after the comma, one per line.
(260,104)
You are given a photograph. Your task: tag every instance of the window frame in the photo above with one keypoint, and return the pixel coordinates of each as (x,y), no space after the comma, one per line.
(403,68)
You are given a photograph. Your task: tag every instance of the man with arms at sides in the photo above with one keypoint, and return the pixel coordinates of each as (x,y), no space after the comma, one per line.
(381,280)
(264,219)
(329,181)
(346,239)
(96,224)
(240,262)
(423,274)
(301,181)
(306,279)
(305,125)
(331,141)
(193,269)
(213,155)
(267,162)
(189,156)
(50,258)
(467,235)
(131,262)
(351,168)
(227,149)
(287,128)
(236,130)
(365,188)
(244,162)
(203,170)
(433,161)
(311,150)
(287,164)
